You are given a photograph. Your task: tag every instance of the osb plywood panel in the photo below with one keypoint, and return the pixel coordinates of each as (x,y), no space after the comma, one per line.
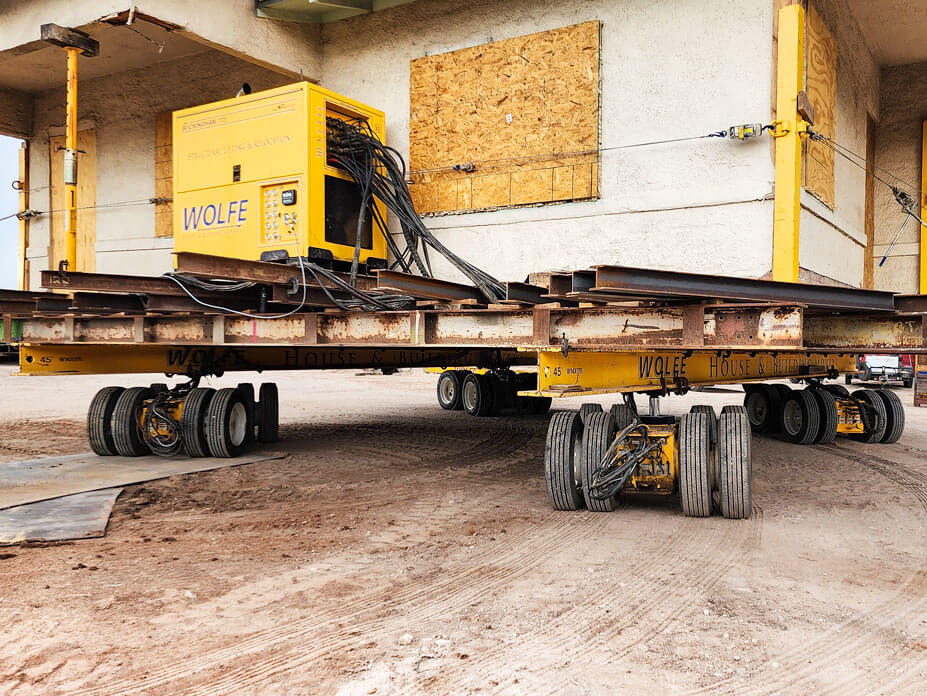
(86,200)
(523,111)
(821,86)
(164,175)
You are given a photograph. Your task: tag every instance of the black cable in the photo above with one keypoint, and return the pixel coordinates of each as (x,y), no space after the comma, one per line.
(845,152)
(380,172)
(620,462)
(180,279)
(212,285)
(578,153)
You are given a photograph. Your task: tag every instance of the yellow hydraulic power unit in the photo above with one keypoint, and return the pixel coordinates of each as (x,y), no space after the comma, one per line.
(253,179)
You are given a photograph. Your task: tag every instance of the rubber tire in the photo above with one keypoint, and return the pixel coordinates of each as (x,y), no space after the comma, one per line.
(694,465)
(497,390)
(735,463)
(769,423)
(622,415)
(247,391)
(785,391)
(734,408)
(193,422)
(587,410)
(907,383)
(268,411)
(452,379)
(894,412)
(127,435)
(218,437)
(560,461)
(100,421)
(712,420)
(482,402)
(810,418)
(837,389)
(866,374)
(872,397)
(827,407)
(598,433)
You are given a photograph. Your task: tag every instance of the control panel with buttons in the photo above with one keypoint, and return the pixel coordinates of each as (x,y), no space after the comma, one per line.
(279,220)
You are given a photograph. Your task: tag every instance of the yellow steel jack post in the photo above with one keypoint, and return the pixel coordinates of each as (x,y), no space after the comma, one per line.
(75,43)
(788,133)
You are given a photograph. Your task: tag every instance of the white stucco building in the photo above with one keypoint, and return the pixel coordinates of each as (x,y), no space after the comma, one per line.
(667,69)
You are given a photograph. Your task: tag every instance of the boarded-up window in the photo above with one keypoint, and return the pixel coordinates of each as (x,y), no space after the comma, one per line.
(523,112)
(164,175)
(821,86)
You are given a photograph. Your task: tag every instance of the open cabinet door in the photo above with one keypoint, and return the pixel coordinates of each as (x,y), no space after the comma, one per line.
(86,200)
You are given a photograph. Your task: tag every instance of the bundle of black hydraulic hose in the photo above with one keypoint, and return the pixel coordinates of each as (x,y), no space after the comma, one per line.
(380,172)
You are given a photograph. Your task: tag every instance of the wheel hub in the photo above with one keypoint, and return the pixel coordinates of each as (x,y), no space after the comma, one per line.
(469,396)
(447,390)
(792,418)
(238,424)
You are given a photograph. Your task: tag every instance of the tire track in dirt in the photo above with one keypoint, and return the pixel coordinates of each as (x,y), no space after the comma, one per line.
(506,563)
(799,667)
(324,634)
(687,539)
(697,577)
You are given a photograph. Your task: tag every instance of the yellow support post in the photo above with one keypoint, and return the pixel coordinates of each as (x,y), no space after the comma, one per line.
(70,162)
(22,265)
(789,126)
(923,230)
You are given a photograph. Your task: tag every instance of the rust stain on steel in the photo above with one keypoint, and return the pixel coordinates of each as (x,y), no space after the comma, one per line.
(175,330)
(618,326)
(779,326)
(364,328)
(104,330)
(482,328)
(241,330)
(45,330)
(864,332)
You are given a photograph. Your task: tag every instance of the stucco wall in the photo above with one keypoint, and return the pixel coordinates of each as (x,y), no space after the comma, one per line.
(898,150)
(694,206)
(122,109)
(833,241)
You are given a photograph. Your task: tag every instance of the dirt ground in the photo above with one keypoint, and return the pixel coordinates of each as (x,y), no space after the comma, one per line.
(402,549)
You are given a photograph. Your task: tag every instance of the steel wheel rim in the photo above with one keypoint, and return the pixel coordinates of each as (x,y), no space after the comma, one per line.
(469,395)
(792,417)
(578,462)
(757,408)
(238,423)
(447,390)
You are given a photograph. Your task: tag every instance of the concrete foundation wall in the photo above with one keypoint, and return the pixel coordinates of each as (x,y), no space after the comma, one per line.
(898,150)
(122,109)
(697,206)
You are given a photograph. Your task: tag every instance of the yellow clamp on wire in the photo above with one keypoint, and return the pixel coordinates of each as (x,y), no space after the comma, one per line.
(781,128)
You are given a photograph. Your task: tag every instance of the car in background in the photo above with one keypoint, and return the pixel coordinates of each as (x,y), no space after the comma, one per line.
(884,368)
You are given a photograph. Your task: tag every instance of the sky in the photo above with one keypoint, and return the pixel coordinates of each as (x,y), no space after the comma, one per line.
(9,202)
